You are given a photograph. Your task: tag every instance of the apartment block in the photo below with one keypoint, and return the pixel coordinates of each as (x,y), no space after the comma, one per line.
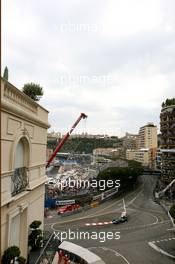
(167,128)
(148,136)
(130,141)
(146,146)
(130,154)
(143,156)
(112,152)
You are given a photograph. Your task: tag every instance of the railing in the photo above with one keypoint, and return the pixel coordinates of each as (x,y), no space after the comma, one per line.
(16,96)
(47,253)
(19,181)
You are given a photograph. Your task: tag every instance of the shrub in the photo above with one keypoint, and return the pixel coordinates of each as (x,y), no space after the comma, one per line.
(10,255)
(33,90)
(21,260)
(35,237)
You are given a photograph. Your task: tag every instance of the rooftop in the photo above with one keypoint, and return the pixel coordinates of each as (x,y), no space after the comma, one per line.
(14,100)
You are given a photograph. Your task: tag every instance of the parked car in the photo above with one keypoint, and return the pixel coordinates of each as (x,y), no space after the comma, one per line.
(120,220)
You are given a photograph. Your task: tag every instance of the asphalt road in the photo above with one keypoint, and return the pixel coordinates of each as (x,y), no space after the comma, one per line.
(147,222)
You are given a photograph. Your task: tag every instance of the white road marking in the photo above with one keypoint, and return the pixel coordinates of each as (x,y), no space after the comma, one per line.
(98,223)
(170,229)
(117,254)
(163,240)
(151,244)
(134,198)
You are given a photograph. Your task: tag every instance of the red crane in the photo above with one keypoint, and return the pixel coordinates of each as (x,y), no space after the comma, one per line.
(66,136)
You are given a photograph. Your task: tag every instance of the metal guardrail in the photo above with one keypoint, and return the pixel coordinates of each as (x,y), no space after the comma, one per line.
(49,250)
(106,194)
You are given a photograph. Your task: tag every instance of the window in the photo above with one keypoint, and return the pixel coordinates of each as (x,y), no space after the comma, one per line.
(19,179)
(19,155)
(15,231)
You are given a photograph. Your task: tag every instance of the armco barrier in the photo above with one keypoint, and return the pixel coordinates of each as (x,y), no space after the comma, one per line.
(101,198)
(106,194)
(86,256)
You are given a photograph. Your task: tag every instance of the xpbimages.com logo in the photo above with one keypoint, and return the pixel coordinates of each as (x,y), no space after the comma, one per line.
(86,235)
(100,184)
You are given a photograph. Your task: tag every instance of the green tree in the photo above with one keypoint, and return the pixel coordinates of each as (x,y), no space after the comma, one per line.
(35,237)
(6,73)
(168,102)
(86,145)
(128,175)
(33,90)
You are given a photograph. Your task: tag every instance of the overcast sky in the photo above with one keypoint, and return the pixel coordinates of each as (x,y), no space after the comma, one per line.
(112,59)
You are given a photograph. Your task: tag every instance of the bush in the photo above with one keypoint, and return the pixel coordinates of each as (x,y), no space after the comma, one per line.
(35,224)
(168,102)
(21,260)
(35,237)
(85,145)
(10,254)
(33,90)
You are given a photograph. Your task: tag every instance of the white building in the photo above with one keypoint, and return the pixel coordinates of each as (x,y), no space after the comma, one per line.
(24,125)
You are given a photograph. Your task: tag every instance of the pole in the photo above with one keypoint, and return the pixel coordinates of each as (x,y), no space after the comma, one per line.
(124,206)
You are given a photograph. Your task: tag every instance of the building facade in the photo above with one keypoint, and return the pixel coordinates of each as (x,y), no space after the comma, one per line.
(24,125)
(111,152)
(143,156)
(148,136)
(167,128)
(145,151)
(130,141)
(130,154)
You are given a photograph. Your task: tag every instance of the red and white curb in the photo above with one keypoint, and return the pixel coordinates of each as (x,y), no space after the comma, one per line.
(98,223)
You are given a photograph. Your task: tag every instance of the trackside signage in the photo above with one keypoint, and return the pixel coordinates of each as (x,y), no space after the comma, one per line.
(65,202)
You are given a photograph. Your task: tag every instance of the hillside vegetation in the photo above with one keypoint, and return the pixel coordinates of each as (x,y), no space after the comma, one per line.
(85,145)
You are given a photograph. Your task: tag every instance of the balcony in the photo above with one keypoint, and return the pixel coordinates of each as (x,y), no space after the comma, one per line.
(19,181)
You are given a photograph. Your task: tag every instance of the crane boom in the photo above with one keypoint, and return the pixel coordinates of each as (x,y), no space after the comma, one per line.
(66,136)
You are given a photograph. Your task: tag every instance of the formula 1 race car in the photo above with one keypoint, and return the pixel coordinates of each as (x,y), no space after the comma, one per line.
(120,220)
